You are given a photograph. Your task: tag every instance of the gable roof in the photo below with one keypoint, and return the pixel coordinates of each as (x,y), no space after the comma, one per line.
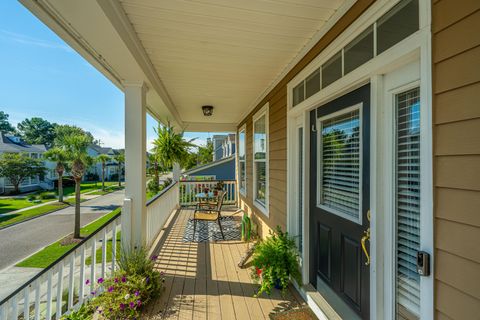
(102,150)
(210,164)
(12,144)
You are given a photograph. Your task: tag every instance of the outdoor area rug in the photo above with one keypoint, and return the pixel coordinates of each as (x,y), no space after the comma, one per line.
(295,314)
(210,231)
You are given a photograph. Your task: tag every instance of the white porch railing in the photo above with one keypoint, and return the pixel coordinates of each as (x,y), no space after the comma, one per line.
(190,188)
(159,209)
(63,286)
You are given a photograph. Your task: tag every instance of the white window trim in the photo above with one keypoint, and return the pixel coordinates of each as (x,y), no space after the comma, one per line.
(243,129)
(359,107)
(260,206)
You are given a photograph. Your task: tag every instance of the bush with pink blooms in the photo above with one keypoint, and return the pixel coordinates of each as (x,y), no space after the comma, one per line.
(124,295)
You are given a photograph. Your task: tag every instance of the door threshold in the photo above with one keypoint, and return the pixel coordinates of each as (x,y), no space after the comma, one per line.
(325,303)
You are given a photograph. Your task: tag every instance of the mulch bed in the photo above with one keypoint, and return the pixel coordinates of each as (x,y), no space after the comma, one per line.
(68,240)
(303,313)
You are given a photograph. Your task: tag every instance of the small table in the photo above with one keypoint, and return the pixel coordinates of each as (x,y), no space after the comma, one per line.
(205,196)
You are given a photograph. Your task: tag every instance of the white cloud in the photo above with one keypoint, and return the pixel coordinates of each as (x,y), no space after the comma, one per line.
(24,39)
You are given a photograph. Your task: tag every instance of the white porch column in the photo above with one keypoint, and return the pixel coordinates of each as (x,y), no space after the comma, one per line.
(134,222)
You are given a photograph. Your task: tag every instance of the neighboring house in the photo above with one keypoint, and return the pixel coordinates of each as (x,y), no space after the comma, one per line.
(95,170)
(223,146)
(223,169)
(223,165)
(13,144)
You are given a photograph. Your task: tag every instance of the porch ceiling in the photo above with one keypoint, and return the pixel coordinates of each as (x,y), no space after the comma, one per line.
(223,53)
(193,52)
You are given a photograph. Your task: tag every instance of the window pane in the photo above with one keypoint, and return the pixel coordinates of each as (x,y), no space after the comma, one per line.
(397,24)
(298,94)
(261,181)
(332,70)
(243,175)
(359,51)
(260,139)
(408,203)
(241,147)
(340,164)
(312,84)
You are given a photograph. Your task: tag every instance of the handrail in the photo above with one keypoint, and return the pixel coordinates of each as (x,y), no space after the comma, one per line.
(51,266)
(152,200)
(205,180)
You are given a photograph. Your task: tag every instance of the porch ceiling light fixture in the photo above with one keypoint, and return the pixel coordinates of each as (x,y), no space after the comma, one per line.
(207,110)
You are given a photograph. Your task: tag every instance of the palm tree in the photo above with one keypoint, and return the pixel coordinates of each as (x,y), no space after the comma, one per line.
(76,146)
(120,159)
(103,159)
(170,147)
(60,157)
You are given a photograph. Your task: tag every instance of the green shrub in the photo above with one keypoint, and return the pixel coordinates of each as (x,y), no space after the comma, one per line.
(123,296)
(31,197)
(48,195)
(153,187)
(275,261)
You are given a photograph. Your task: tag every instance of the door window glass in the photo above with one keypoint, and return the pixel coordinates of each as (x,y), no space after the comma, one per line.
(340,164)
(407,200)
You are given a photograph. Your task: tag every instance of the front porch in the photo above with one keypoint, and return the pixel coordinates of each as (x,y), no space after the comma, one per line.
(203,280)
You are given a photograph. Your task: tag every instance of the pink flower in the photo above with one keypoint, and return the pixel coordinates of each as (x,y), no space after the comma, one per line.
(100,280)
(110,289)
(132,304)
(116,280)
(87,282)
(137,293)
(122,306)
(139,303)
(124,279)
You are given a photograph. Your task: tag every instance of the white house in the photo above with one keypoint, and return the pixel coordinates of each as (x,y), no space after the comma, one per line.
(12,144)
(96,168)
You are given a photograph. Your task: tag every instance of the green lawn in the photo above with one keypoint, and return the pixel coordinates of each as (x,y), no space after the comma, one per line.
(12,204)
(108,190)
(17,217)
(49,254)
(87,187)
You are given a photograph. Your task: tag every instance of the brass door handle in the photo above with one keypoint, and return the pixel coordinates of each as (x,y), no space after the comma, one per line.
(364,246)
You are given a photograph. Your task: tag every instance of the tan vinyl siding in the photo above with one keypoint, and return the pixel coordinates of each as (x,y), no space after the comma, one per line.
(456,96)
(277,99)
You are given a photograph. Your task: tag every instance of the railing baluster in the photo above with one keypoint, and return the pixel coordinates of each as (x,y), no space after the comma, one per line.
(114,246)
(93,261)
(104,252)
(71,281)
(82,275)
(49,295)
(26,303)
(3,312)
(58,308)
(15,307)
(37,299)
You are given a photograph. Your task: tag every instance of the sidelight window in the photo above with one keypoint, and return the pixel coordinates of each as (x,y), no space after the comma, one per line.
(260,159)
(407,196)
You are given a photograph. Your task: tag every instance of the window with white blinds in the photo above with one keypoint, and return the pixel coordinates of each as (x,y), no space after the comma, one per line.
(340,164)
(407,196)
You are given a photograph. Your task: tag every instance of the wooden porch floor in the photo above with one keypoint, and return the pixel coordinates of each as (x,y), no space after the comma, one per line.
(203,280)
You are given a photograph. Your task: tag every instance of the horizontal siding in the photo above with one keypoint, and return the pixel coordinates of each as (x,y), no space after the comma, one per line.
(456,88)
(277,100)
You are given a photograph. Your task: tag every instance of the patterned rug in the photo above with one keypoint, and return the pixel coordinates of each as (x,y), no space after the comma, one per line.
(210,231)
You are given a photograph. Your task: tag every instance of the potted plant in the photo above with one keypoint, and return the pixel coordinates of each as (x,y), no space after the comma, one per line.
(275,261)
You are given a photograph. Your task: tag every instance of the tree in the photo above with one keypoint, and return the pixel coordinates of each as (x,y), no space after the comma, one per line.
(205,154)
(64,131)
(171,147)
(120,159)
(5,125)
(19,166)
(37,131)
(60,157)
(76,147)
(103,159)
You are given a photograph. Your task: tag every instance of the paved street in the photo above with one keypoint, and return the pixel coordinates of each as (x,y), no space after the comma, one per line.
(22,240)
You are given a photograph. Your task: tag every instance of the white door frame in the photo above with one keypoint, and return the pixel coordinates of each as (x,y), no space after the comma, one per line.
(417,47)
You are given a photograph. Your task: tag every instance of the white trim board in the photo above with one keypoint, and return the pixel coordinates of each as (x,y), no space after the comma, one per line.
(264,111)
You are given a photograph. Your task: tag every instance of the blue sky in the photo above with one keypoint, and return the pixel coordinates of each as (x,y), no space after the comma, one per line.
(41,76)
